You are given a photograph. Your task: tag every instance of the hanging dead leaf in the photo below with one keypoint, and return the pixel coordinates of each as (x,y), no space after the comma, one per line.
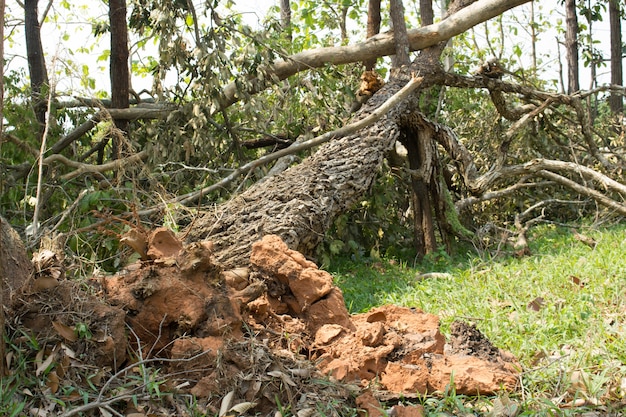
(66,332)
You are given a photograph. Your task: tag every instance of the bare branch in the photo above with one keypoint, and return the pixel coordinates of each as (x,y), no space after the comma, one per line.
(88,168)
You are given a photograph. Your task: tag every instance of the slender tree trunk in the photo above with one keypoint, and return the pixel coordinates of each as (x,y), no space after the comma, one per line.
(571,46)
(373,28)
(422,156)
(533,37)
(427,13)
(2,278)
(401,38)
(119,71)
(36,60)
(285,18)
(616,101)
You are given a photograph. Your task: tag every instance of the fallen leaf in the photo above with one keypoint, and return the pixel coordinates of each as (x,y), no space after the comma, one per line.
(242,408)
(586,240)
(536,304)
(226,402)
(577,281)
(45,283)
(66,332)
(53,382)
(45,364)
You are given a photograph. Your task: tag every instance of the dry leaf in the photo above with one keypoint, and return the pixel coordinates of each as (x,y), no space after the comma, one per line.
(66,332)
(226,402)
(45,283)
(577,281)
(536,304)
(53,382)
(586,240)
(283,376)
(45,364)
(242,408)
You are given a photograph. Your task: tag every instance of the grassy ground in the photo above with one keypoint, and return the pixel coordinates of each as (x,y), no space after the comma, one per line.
(561,311)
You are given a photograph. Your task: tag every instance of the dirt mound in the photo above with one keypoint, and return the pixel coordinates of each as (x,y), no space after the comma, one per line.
(251,335)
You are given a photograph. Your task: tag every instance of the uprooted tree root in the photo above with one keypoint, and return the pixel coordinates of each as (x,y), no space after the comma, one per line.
(273,336)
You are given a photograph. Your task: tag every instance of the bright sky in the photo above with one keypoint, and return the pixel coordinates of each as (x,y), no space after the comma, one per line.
(76,32)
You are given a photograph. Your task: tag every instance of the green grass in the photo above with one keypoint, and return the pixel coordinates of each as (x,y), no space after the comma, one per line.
(580,328)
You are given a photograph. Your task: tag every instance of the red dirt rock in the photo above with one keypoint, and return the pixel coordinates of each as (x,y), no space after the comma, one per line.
(407,411)
(401,347)
(172,297)
(181,305)
(368,405)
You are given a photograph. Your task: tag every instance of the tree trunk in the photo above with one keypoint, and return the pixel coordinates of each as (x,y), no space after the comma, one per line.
(616,101)
(301,203)
(571,46)
(400,36)
(15,269)
(423,161)
(427,14)
(36,60)
(119,71)
(373,28)
(285,17)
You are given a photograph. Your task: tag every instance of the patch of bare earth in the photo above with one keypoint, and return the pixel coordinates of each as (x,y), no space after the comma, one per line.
(262,337)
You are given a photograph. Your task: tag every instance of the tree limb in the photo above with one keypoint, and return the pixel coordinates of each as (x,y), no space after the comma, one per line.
(376,46)
(82,168)
(376,115)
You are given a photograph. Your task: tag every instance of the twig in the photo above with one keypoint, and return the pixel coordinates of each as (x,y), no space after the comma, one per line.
(82,168)
(40,162)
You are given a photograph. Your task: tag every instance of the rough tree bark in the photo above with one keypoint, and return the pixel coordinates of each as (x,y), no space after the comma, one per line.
(400,36)
(373,28)
(119,71)
(616,101)
(299,204)
(15,269)
(36,60)
(423,162)
(285,17)
(571,46)
(2,347)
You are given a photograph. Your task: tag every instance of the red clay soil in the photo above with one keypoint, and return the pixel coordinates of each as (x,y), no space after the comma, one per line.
(181,305)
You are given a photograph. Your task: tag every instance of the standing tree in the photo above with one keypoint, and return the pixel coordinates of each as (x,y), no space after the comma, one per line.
(373,28)
(36,60)
(119,71)
(571,46)
(616,100)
